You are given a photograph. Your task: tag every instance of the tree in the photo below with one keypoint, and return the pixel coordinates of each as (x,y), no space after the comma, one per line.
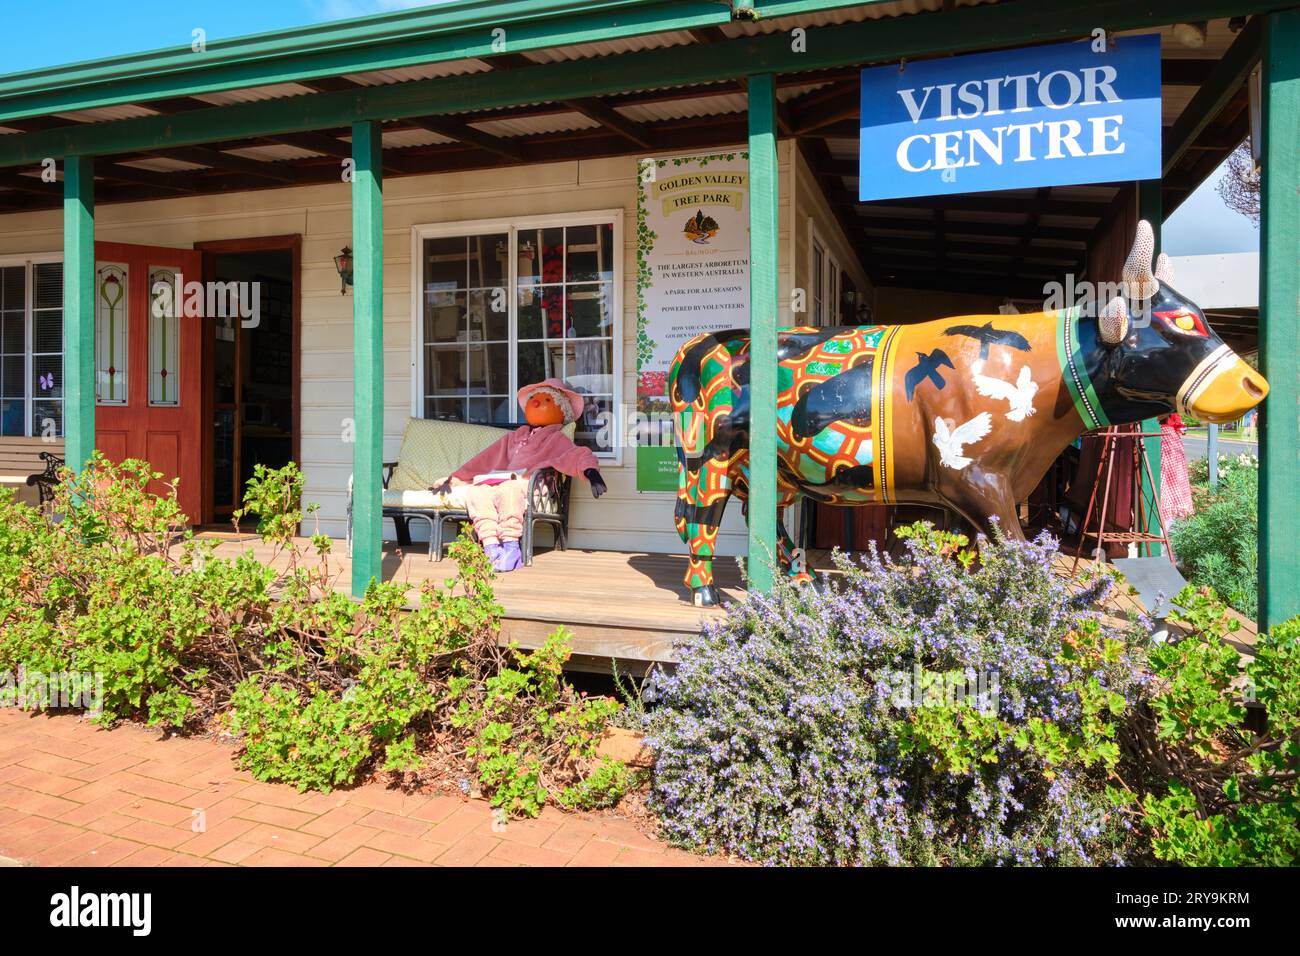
(1239,185)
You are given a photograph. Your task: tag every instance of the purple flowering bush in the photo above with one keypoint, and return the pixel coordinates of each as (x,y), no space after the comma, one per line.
(936,709)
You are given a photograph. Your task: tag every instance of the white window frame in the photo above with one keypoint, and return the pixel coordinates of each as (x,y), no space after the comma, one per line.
(441,230)
(827,279)
(28,261)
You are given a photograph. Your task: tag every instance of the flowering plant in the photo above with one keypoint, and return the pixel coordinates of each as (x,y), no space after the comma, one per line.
(928,710)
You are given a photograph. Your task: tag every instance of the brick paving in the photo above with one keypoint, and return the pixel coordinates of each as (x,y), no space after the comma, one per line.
(72,793)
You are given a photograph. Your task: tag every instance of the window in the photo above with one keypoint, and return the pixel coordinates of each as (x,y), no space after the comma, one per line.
(164,337)
(111,326)
(819,293)
(824,277)
(31,349)
(502,305)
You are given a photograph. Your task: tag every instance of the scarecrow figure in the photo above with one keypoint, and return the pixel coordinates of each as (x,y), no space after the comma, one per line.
(494,483)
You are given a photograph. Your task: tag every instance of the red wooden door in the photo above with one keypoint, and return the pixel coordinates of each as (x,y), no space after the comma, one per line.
(148,362)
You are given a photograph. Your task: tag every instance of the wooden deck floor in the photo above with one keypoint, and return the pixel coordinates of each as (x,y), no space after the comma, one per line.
(628,606)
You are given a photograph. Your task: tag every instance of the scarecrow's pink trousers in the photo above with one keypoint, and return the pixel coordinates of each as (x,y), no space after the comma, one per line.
(497,510)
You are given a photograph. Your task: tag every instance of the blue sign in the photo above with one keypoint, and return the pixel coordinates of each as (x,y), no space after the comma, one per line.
(1040,116)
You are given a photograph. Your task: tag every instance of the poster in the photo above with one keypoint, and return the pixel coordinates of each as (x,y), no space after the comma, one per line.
(692,276)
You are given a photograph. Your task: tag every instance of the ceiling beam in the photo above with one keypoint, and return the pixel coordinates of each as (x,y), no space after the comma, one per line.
(968,247)
(1181,71)
(596,109)
(705,36)
(970,228)
(1228,76)
(507,61)
(986,203)
(823,108)
(225,161)
(592,107)
(1035,212)
(461,131)
(999,287)
(686,135)
(168,181)
(12,179)
(993,268)
(316,142)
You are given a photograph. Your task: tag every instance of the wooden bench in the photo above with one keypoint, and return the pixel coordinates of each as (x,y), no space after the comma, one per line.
(28,465)
(431,450)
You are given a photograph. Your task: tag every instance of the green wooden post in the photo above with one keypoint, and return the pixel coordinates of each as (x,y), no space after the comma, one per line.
(762,320)
(1279,325)
(368,355)
(1151,208)
(78,310)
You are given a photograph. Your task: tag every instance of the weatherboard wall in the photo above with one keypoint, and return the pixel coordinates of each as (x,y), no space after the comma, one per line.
(621,520)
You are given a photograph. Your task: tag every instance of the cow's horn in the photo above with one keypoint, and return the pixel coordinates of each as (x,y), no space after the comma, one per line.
(1164,269)
(1137,273)
(1113,321)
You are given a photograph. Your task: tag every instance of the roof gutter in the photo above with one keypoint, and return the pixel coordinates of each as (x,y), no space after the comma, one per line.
(452,31)
(459,15)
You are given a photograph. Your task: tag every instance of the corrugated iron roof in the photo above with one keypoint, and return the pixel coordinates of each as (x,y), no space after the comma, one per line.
(405,138)
(583,51)
(275,153)
(534,125)
(826,18)
(162,164)
(104,114)
(686,108)
(425,71)
(255,94)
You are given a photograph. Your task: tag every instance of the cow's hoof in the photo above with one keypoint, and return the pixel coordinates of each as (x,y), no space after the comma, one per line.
(706,596)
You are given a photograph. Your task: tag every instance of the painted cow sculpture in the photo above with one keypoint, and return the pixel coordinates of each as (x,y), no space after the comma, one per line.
(966,413)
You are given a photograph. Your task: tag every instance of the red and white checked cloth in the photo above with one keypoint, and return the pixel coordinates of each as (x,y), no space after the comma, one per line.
(1175,487)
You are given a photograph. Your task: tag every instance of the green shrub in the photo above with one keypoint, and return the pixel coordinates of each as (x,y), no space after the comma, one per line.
(1217,793)
(1218,546)
(603,787)
(320,690)
(530,730)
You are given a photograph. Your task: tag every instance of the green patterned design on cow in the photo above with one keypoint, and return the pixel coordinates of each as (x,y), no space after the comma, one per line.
(1074,370)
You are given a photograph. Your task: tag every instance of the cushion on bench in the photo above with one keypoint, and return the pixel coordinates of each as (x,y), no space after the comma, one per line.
(425,499)
(432,449)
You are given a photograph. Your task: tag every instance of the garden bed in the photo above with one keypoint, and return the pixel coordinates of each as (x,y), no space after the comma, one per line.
(963,705)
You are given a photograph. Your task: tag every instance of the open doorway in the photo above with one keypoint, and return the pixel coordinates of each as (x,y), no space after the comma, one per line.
(251,367)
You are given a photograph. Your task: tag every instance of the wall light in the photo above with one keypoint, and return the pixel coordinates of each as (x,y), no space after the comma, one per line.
(343,262)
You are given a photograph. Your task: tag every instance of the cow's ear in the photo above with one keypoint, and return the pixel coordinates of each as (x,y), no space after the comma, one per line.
(1112,323)
(1164,269)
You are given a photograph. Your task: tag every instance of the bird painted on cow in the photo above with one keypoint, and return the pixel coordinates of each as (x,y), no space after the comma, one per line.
(971,423)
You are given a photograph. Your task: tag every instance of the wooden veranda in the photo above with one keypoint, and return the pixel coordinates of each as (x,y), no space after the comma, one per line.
(628,607)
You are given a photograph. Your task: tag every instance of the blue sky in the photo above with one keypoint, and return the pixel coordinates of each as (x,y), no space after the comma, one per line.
(50,32)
